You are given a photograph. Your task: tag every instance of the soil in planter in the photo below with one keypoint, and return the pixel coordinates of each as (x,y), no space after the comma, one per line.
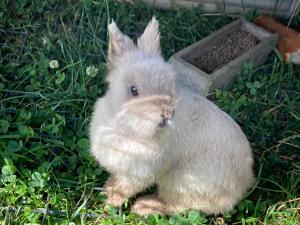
(225,50)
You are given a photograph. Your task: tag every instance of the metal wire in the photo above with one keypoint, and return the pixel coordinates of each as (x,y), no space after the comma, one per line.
(294,13)
(46,211)
(42,211)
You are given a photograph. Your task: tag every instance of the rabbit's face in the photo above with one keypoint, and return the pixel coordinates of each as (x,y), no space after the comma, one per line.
(141,82)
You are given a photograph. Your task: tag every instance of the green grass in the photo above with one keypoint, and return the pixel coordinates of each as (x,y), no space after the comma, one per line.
(45,113)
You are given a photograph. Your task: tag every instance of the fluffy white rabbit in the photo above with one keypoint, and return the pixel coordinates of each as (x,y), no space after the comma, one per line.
(149,129)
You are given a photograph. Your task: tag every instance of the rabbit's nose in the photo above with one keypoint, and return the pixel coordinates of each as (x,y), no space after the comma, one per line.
(166,118)
(169,114)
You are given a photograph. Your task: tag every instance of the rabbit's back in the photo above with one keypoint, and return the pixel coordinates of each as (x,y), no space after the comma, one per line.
(212,156)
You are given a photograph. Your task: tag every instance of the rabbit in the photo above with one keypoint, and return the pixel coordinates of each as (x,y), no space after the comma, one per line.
(150,129)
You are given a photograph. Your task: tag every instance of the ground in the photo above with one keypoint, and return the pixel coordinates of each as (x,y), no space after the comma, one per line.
(47,175)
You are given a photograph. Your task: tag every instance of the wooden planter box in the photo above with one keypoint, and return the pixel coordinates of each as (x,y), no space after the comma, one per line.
(283,8)
(204,82)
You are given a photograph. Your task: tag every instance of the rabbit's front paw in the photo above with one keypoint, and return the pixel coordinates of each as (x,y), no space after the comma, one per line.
(115,199)
(150,205)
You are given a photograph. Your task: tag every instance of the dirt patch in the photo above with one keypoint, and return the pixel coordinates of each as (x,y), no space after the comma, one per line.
(225,50)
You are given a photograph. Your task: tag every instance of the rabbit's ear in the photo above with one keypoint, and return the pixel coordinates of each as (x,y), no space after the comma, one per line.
(118,43)
(150,39)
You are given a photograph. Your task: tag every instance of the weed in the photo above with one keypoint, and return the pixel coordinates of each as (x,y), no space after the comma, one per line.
(47,175)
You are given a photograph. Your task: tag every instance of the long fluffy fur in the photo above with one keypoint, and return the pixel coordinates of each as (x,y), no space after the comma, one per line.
(201,159)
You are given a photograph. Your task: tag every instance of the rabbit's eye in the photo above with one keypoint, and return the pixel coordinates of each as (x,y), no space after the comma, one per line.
(134,91)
